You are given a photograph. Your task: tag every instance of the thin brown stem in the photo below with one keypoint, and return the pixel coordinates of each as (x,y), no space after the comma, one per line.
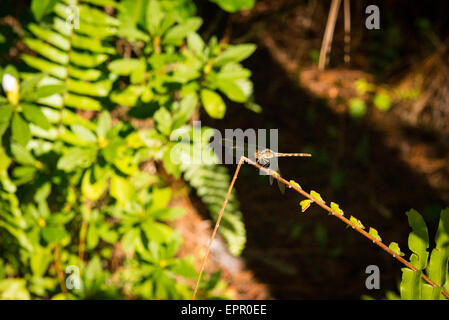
(220,215)
(322,205)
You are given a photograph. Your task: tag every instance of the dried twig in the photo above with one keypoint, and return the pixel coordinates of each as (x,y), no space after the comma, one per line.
(318,202)
(328,34)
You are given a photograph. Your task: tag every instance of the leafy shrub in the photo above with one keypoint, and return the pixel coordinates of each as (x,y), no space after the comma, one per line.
(74,190)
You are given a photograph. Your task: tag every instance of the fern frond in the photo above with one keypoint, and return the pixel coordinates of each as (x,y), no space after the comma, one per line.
(73,56)
(212,192)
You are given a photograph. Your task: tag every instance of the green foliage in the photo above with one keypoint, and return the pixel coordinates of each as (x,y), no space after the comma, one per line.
(436,268)
(72,188)
(234,5)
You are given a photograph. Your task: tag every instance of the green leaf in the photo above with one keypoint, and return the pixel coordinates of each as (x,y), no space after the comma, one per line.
(235,53)
(410,287)
(156,231)
(163,120)
(129,96)
(124,67)
(356,222)
(395,248)
(169,214)
(235,5)
(373,232)
(121,189)
(92,189)
(153,17)
(22,155)
(49,90)
(336,208)
(53,234)
(315,195)
(35,115)
(39,8)
(82,102)
(104,124)
(76,157)
(161,198)
(430,292)
(176,34)
(185,268)
(39,261)
(195,43)
(20,130)
(185,111)
(438,264)
(418,240)
(14,289)
(213,104)
(84,133)
(5,117)
(305,204)
(233,90)
(295,184)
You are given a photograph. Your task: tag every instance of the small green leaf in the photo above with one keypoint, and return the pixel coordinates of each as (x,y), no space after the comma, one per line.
(195,43)
(235,53)
(161,198)
(315,195)
(213,104)
(121,189)
(176,34)
(49,90)
(154,16)
(124,67)
(83,133)
(92,189)
(22,155)
(35,115)
(104,124)
(39,8)
(163,120)
(373,232)
(305,204)
(295,184)
(5,117)
(395,248)
(20,130)
(77,158)
(53,234)
(235,5)
(356,222)
(336,208)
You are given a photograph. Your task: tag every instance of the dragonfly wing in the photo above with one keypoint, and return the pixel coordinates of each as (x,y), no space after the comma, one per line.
(280,184)
(281,187)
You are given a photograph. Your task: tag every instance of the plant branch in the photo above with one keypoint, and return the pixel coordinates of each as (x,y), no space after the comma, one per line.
(58,268)
(322,205)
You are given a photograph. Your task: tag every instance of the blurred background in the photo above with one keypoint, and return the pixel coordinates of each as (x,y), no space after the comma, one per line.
(376,120)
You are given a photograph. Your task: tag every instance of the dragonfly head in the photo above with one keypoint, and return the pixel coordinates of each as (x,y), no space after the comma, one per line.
(264,154)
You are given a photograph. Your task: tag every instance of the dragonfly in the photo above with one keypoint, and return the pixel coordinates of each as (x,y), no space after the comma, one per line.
(261,155)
